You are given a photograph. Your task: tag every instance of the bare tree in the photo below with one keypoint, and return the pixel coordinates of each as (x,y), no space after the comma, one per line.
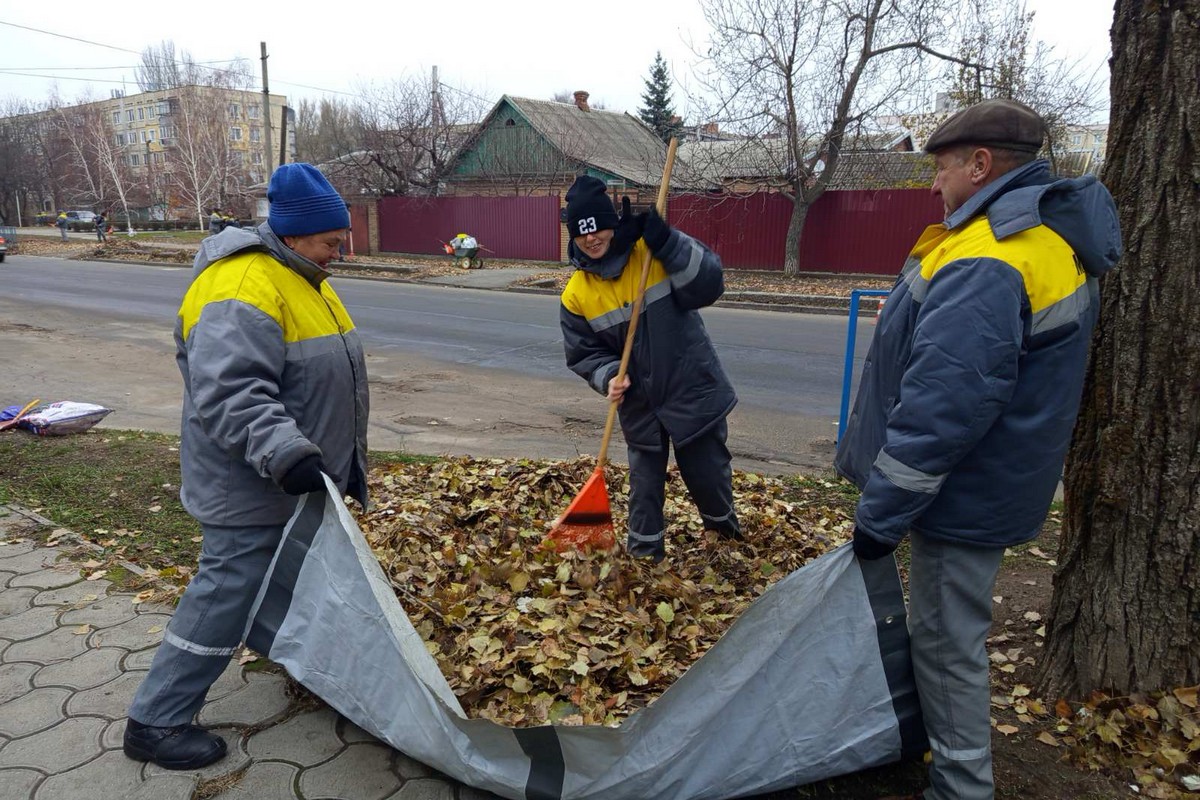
(34,161)
(326,129)
(160,68)
(1125,613)
(408,134)
(163,68)
(812,75)
(203,169)
(1002,60)
(75,128)
(195,134)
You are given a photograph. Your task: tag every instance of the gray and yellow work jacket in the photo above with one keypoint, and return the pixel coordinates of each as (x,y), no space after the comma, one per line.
(676,380)
(969,393)
(273,370)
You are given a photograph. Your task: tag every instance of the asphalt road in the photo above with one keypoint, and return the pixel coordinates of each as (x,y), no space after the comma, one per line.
(453,371)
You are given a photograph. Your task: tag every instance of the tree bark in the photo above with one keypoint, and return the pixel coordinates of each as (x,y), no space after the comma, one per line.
(1125,613)
(791,259)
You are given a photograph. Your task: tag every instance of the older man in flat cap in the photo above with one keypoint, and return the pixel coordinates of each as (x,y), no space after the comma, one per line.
(967,401)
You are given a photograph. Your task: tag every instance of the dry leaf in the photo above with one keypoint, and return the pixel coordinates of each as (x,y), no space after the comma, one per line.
(459,539)
(95,576)
(82,630)
(1007,730)
(1048,738)
(155,629)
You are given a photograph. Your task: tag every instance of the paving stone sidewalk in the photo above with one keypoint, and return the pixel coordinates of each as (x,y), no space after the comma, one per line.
(72,652)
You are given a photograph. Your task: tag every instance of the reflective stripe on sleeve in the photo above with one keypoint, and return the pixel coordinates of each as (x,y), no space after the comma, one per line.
(907,478)
(690,272)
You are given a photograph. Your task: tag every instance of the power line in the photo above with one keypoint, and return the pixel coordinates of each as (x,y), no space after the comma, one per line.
(63,69)
(202,64)
(464,91)
(73,38)
(318,88)
(62,77)
(124,66)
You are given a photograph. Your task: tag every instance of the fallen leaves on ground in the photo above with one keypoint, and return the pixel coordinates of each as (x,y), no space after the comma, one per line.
(526,635)
(1154,737)
(1151,739)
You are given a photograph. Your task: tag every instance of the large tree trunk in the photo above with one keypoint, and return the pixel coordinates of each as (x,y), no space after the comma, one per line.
(791,258)
(1125,614)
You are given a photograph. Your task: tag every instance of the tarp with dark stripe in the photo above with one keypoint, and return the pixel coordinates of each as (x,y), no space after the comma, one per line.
(812,681)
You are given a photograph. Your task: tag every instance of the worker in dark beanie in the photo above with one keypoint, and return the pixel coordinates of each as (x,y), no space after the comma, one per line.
(274,402)
(675,391)
(967,401)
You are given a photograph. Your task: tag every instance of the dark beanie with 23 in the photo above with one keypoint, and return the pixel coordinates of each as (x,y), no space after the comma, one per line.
(303,202)
(589,208)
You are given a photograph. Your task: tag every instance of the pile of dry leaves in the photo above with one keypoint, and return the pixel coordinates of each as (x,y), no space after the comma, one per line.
(526,635)
(126,250)
(1155,737)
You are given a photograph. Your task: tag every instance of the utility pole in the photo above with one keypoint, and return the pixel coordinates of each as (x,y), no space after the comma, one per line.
(283,136)
(267,141)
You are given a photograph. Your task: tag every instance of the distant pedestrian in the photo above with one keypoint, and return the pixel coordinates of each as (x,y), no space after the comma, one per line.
(101,227)
(214,222)
(61,221)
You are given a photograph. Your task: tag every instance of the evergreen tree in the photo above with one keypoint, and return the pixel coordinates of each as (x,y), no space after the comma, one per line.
(656,110)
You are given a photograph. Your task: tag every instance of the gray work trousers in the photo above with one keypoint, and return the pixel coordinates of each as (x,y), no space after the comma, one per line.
(207,627)
(704,465)
(949,615)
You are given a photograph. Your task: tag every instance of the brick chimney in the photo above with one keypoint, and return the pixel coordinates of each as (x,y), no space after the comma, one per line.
(581,100)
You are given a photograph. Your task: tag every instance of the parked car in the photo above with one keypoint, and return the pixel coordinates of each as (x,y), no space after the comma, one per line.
(3,248)
(81,216)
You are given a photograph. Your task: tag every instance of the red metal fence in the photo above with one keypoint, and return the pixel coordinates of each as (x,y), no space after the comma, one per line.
(862,231)
(511,227)
(866,231)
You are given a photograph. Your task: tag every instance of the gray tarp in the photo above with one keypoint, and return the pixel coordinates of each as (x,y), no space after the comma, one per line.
(812,681)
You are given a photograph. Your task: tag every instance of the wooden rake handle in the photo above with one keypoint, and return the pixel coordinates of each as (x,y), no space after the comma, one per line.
(661,205)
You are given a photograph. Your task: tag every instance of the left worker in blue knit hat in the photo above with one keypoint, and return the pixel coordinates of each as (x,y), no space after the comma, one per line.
(274,401)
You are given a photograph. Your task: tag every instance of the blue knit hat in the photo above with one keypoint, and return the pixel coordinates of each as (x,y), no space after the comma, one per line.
(303,202)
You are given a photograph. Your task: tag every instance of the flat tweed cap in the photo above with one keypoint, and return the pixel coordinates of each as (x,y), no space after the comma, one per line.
(992,123)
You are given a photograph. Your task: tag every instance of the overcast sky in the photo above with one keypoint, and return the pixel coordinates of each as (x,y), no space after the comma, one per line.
(528,48)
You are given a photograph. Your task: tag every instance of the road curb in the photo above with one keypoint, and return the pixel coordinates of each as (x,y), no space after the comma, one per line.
(830,305)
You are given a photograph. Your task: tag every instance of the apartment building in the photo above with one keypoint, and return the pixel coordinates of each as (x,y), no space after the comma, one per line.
(156,137)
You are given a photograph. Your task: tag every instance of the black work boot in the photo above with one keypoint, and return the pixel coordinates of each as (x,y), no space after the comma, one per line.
(654,550)
(174,747)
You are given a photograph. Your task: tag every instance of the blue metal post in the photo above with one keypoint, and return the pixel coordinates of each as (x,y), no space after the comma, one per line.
(851,335)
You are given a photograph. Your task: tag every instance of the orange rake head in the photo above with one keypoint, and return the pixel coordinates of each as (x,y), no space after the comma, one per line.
(587,523)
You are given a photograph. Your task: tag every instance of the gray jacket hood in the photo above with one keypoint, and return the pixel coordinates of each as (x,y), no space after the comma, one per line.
(1080,210)
(262,239)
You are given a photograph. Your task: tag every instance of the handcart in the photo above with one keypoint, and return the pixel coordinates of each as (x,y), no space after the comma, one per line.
(465,251)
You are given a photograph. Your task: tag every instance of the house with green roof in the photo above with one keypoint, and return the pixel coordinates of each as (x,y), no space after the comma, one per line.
(527,146)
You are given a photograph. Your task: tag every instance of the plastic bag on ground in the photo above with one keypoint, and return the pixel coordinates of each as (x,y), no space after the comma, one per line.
(63,418)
